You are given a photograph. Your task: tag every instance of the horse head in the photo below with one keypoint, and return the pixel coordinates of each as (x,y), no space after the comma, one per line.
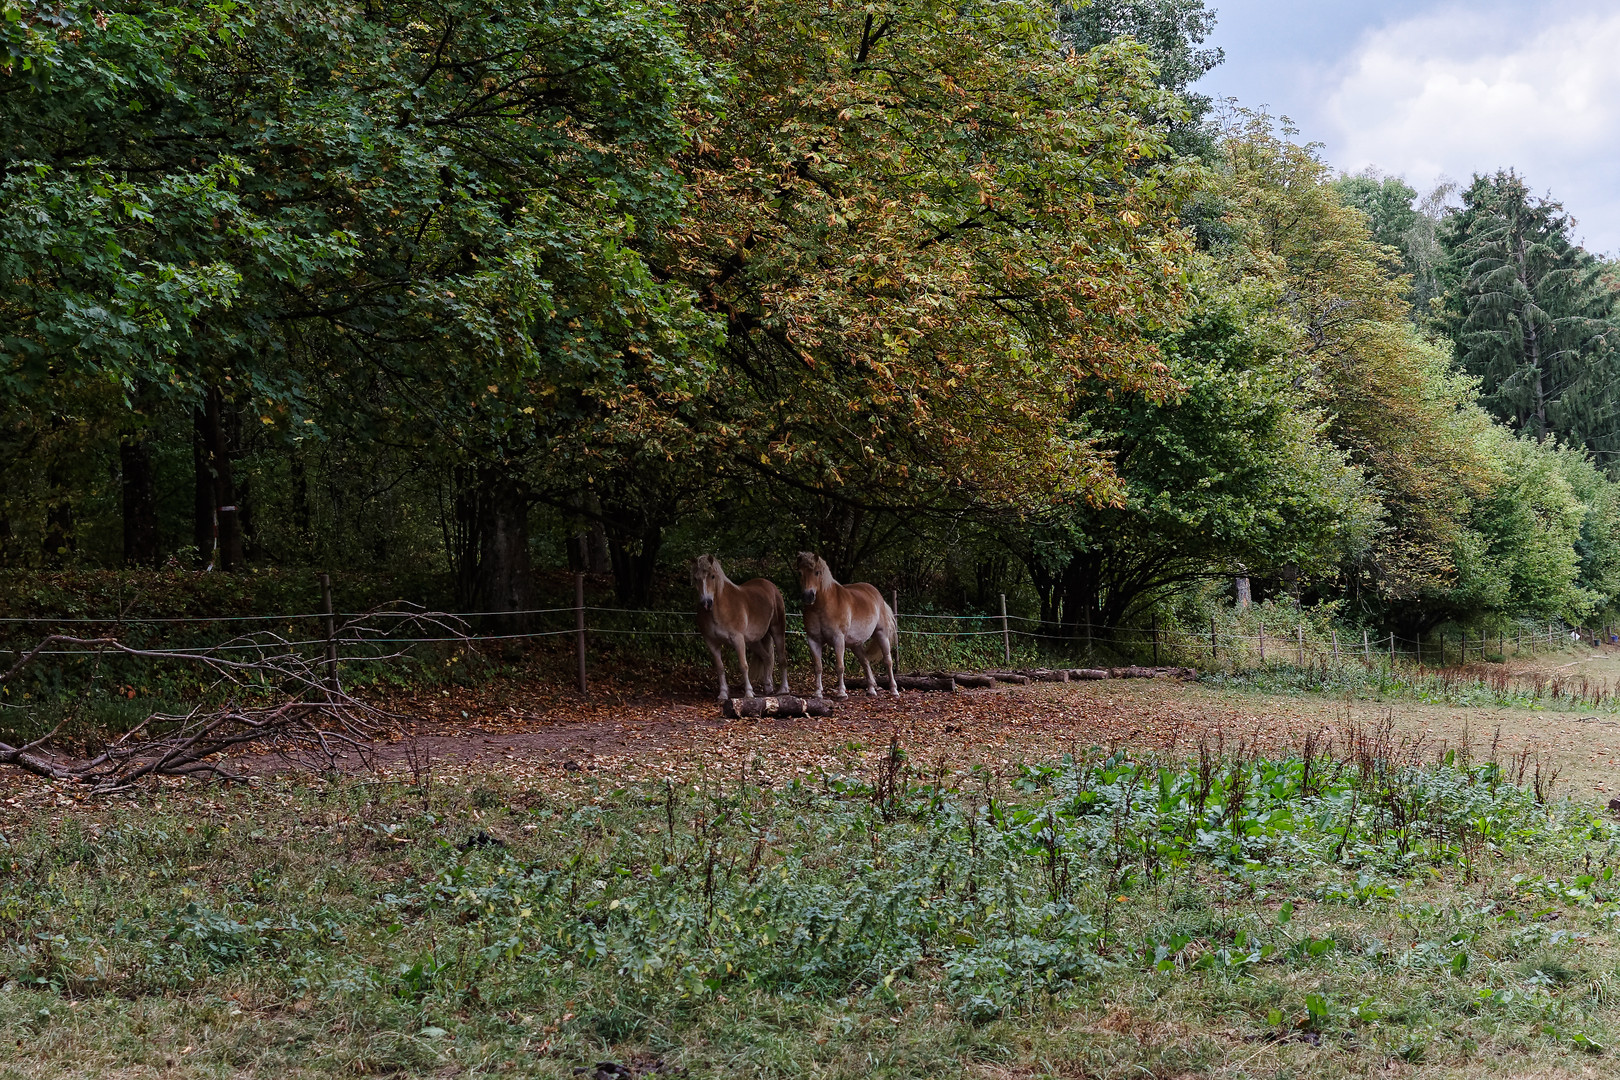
(814,577)
(707,576)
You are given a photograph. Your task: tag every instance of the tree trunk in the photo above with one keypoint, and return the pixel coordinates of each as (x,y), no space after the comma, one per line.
(505,581)
(202,506)
(138,482)
(60,538)
(300,499)
(216,525)
(1532,340)
(1245,595)
(634,556)
(490,547)
(588,548)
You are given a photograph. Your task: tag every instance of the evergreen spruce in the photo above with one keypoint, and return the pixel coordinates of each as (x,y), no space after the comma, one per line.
(1529,316)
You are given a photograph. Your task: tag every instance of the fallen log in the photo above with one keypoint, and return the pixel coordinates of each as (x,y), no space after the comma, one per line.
(758,708)
(1081,674)
(1045,674)
(1009,677)
(967,678)
(938,683)
(1134,672)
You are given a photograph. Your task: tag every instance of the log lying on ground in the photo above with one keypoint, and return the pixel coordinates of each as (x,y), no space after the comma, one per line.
(1081,674)
(1134,672)
(966,678)
(1009,677)
(1045,674)
(943,683)
(757,708)
(939,682)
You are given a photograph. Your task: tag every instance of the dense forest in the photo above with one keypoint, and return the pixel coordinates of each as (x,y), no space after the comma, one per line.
(970,298)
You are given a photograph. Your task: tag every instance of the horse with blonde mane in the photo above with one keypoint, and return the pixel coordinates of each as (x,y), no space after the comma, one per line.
(846,615)
(750,614)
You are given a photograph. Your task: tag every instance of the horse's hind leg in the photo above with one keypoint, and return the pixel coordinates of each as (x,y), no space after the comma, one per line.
(740,643)
(886,642)
(865,651)
(767,648)
(720,666)
(779,635)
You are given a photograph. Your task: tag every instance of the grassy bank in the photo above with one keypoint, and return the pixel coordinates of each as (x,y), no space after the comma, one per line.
(1102,917)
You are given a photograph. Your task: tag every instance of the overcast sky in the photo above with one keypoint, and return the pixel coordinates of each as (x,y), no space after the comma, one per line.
(1422,89)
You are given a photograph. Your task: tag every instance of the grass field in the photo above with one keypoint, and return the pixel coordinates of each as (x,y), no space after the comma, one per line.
(1118,879)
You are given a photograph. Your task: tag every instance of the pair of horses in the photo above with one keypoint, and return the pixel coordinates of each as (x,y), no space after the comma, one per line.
(753,614)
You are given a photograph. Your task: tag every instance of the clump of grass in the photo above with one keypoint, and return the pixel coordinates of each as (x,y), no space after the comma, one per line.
(1111,912)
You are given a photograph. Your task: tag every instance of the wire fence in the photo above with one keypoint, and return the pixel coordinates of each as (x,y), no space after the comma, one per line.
(926,639)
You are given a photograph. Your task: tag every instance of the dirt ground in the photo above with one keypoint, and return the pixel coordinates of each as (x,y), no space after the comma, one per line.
(549,734)
(627,738)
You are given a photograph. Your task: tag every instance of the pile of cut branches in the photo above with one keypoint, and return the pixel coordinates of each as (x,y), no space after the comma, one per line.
(276,694)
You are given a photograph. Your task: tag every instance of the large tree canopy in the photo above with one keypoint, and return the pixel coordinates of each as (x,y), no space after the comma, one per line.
(927,229)
(970,296)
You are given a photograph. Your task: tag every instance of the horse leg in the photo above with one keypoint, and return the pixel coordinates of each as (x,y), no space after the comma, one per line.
(779,636)
(768,647)
(865,649)
(740,643)
(720,666)
(887,642)
(814,646)
(838,651)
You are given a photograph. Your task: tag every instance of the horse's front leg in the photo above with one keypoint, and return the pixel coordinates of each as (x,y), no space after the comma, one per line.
(720,666)
(741,645)
(838,653)
(814,645)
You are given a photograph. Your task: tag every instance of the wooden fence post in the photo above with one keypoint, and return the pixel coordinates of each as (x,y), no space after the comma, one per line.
(1334,630)
(1392,650)
(579,623)
(1006,635)
(1299,632)
(1366,647)
(331,633)
(1262,644)
(1214,649)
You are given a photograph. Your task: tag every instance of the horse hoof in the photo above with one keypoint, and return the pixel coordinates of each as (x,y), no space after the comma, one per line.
(871,691)
(896,694)
(841,695)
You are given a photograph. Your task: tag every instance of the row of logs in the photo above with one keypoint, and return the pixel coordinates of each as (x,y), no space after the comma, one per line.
(948,682)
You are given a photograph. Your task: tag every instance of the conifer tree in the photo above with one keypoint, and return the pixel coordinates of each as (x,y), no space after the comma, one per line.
(1529,316)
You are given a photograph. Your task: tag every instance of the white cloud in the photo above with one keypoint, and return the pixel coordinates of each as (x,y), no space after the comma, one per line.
(1466,90)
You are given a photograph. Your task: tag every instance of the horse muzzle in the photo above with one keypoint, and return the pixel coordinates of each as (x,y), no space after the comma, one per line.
(809,596)
(707,603)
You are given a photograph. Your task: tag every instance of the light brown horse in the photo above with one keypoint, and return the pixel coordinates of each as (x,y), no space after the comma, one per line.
(750,614)
(839,615)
